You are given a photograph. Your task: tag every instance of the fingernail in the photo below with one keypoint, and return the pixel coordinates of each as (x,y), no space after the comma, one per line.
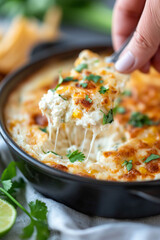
(125,62)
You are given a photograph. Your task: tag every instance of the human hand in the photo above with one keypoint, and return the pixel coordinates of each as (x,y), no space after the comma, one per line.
(143,49)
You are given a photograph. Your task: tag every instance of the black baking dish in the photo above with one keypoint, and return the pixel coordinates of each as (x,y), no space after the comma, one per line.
(90,196)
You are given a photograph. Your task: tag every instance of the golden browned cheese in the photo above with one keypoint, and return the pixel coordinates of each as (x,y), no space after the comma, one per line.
(124,141)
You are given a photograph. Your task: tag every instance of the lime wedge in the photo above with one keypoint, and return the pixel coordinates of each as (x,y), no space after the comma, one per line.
(7,217)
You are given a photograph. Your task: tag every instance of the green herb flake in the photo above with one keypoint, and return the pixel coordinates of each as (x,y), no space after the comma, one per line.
(127,93)
(138,119)
(81,66)
(52,153)
(96,61)
(69,79)
(61,80)
(75,156)
(88,99)
(43,129)
(119,109)
(84,85)
(107,118)
(101,81)
(128,164)
(94,78)
(152,157)
(103,90)
(65,99)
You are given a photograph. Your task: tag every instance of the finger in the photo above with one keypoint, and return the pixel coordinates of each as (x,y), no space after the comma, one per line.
(145,40)
(156,60)
(125,18)
(145,68)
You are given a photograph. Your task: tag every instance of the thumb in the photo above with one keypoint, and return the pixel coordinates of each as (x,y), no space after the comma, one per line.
(145,40)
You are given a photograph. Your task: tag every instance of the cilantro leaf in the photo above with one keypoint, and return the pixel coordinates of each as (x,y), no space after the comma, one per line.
(9,172)
(53,153)
(69,79)
(94,78)
(84,85)
(27,231)
(107,118)
(119,109)
(38,215)
(88,99)
(75,156)
(81,66)
(7,184)
(103,90)
(152,157)
(38,210)
(43,129)
(138,119)
(65,99)
(128,164)
(127,93)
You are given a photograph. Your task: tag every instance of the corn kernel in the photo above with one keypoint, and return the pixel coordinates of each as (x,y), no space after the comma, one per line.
(143,170)
(77,113)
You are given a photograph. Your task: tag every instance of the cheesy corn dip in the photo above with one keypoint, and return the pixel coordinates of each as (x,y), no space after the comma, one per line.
(66,121)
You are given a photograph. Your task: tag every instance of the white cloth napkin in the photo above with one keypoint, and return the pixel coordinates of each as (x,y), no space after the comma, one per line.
(68,224)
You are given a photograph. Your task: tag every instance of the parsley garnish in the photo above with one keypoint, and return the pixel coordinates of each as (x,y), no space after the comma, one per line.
(65,99)
(103,90)
(38,209)
(61,80)
(53,153)
(127,93)
(59,83)
(138,119)
(81,66)
(84,85)
(88,99)
(119,109)
(101,81)
(43,129)
(128,164)
(107,118)
(94,78)
(75,156)
(69,79)
(152,157)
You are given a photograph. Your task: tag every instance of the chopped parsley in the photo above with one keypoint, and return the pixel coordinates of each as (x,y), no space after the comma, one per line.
(138,119)
(94,78)
(84,85)
(61,80)
(127,93)
(65,99)
(128,164)
(59,83)
(53,153)
(88,99)
(107,118)
(119,109)
(43,129)
(81,66)
(152,157)
(75,156)
(69,79)
(101,81)
(103,90)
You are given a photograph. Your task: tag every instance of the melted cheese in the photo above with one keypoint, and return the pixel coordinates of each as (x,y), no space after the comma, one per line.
(119,142)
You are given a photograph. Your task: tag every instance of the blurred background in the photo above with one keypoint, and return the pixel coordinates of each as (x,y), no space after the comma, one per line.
(30,27)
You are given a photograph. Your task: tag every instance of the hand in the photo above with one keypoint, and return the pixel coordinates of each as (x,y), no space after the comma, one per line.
(143,49)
